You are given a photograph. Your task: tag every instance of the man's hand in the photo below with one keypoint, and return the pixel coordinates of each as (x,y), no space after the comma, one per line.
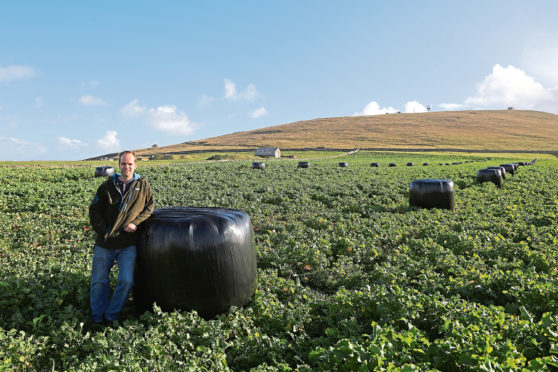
(130,227)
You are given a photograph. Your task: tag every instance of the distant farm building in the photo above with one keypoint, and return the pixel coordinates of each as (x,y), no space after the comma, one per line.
(268,152)
(511,108)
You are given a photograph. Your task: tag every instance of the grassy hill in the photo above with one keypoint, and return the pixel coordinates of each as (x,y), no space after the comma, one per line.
(511,130)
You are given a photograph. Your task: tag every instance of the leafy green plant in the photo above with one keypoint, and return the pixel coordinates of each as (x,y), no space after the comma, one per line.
(349,276)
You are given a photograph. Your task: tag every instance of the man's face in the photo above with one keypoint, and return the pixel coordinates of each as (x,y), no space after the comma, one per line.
(127,165)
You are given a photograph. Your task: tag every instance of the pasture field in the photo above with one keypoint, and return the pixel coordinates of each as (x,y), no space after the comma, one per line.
(349,276)
(493,130)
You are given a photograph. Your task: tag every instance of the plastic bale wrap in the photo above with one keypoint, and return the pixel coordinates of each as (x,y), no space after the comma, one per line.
(425,164)
(201,259)
(501,169)
(432,193)
(343,165)
(303,164)
(392,165)
(490,175)
(510,168)
(375,165)
(104,171)
(410,164)
(258,165)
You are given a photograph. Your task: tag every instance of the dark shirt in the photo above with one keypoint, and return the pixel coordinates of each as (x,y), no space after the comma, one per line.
(123,186)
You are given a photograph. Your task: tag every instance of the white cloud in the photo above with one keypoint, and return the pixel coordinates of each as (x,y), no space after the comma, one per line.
(248,94)
(89,100)
(414,107)
(453,106)
(168,119)
(373,108)
(230,89)
(72,144)
(15,141)
(12,148)
(16,72)
(109,142)
(132,109)
(258,112)
(510,86)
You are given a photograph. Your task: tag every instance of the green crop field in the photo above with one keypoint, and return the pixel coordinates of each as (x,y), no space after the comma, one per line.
(349,276)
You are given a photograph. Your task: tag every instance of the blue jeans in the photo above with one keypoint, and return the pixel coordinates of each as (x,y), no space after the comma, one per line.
(103,260)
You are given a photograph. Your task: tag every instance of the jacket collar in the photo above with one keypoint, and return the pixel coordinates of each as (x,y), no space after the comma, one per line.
(134,178)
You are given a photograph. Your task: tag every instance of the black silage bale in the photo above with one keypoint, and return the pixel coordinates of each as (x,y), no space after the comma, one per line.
(104,171)
(258,165)
(510,168)
(502,170)
(432,193)
(490,175)
(201,259)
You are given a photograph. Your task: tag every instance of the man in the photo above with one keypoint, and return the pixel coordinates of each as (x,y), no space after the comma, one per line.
(120,205)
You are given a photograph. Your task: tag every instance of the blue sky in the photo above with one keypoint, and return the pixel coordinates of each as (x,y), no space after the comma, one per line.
(80,79)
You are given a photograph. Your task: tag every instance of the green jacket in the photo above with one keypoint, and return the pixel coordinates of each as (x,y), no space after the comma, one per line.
(110,211)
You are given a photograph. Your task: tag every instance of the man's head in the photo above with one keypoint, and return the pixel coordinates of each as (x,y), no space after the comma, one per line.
(127,164)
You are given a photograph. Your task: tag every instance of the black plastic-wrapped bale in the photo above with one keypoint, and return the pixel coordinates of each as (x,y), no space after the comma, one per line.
(510,168)
(392,165)
(425,164)
(375,164)
(195,258)
(343,165)
(522,163)
(501,169)
(432,193)
(410,164)
(490,175)
(258,165)
(104,171)
(303,164)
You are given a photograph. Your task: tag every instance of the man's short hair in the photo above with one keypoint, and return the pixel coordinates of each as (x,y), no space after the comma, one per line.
(124,153)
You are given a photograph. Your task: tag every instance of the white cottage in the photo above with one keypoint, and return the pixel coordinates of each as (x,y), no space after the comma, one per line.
(268,152)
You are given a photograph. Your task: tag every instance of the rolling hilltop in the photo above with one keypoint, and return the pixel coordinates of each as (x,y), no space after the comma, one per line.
(511,130)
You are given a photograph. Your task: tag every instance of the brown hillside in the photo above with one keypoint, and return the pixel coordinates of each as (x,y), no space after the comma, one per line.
(473,130)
